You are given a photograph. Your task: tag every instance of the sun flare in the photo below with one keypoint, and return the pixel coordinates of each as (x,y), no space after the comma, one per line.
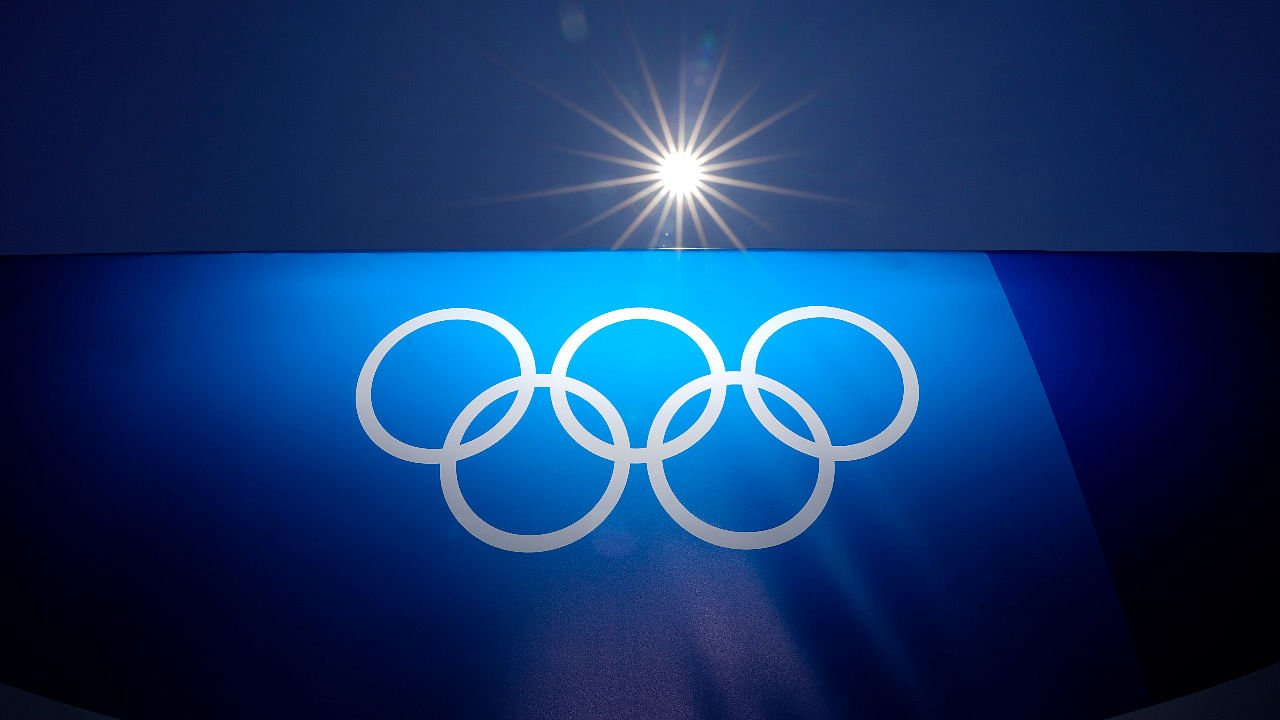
(681,173)
(678,176)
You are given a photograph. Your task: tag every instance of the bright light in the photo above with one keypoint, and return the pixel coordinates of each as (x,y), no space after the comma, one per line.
(681,173)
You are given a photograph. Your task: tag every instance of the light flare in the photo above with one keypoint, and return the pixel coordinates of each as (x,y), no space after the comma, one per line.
(681,173)
(678,163)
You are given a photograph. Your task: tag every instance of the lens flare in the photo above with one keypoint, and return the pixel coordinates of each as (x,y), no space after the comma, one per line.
(676,164)
(681,173)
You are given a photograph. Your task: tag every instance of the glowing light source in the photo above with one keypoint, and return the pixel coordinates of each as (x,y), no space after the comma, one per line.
(681,173)
(677,169)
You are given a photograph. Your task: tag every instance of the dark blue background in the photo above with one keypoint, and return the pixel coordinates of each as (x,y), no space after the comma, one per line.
(1162,374)
(292,126)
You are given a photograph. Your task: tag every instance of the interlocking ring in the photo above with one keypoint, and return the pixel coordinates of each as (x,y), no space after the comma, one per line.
(737,540)
(657,448)
(546,541)
(856,451)
(559,368)
(430,456)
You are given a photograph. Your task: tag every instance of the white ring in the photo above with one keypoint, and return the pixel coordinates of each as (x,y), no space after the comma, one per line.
(560,402)
(854,451)
(516,542)
(734,539)
(433,456)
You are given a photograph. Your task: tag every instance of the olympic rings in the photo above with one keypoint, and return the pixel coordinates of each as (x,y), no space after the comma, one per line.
(657,449)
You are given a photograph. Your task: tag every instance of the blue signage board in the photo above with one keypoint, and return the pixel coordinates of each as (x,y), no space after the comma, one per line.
(527,484)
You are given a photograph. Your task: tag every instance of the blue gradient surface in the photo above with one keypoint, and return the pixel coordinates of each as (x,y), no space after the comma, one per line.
(213,530)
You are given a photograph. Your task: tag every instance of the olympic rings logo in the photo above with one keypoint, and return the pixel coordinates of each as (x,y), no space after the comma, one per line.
(657,448)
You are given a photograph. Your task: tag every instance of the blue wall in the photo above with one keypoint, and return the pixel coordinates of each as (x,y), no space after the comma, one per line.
(196,522)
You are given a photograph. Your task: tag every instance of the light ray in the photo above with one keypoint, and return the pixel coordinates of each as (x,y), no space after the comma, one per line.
(697,224)
(677,170)
(653,89)
(653,167)
(772,189)
(567,189)
(711,91)
(611,211)
(582,111)
(635,114)
(719,220)
(747,161)
(728,144)
(636,223)
(679,222)
(741,210)
(680,105)
(662,219)
(715,132)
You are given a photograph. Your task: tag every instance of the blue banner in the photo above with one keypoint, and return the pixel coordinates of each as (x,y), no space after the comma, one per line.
(537,484)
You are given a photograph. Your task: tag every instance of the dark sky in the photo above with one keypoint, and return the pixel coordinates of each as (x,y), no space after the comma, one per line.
(302,126)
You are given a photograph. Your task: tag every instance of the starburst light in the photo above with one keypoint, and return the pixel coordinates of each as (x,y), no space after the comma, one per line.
(679,178)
